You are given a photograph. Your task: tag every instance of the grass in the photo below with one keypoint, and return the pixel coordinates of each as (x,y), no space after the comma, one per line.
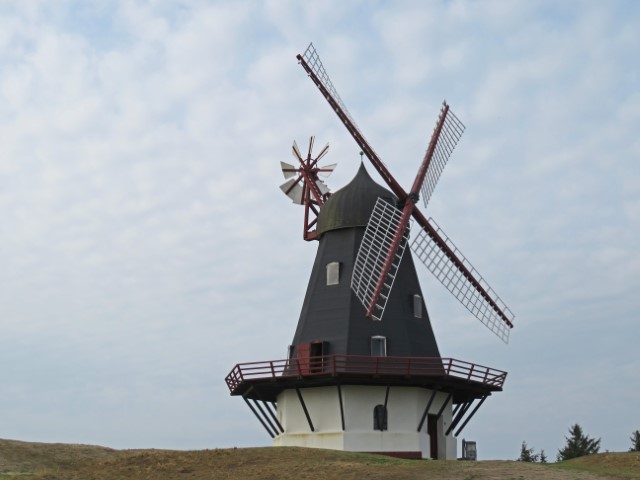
(28,457)
(613,464)
(38,461)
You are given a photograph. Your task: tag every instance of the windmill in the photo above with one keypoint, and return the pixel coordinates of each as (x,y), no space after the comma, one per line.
(364,371)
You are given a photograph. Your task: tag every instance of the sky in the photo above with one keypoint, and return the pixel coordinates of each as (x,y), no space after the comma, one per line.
(145,247)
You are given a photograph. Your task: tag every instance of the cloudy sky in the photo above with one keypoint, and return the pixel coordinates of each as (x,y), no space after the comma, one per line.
(145,247)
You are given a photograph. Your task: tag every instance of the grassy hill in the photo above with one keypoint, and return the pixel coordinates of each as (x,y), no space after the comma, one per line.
(40,461)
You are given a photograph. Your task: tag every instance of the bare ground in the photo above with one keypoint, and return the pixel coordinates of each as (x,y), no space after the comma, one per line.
(20,460)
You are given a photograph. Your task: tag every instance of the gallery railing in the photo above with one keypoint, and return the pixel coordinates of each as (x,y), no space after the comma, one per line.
(364,366)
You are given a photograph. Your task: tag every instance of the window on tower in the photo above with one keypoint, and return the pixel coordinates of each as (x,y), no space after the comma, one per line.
(380,417)
(333,273)
(378,346)
(417,306)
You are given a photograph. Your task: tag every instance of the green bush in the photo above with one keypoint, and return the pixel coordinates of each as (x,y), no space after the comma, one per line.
(578,445)
(635,441)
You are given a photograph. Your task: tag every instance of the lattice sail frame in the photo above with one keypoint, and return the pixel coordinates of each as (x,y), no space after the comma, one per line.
(452,130)
(441,266)
(381,230)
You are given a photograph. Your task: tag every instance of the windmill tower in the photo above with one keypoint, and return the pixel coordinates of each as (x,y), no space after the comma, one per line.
(364,372)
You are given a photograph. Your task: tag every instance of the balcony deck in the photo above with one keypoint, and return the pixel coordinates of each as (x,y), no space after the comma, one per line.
(264,380)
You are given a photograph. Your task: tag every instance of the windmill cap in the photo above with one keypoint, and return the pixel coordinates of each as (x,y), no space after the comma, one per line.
(351,206)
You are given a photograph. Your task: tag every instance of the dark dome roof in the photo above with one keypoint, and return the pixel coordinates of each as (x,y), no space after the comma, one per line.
(351,206)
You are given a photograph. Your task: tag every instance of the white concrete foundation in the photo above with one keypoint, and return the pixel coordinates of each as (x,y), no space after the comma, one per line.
(405,407)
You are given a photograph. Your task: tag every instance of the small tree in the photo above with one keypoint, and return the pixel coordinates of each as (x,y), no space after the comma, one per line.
(635,441)
(527,455)
(578,445)
(543,457)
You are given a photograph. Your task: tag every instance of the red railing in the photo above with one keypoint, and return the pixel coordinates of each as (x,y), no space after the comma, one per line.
(364,365)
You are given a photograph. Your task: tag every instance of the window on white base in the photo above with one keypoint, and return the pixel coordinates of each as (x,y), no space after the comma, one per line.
(380,417)
(378,346)
(417,306)
(333,273)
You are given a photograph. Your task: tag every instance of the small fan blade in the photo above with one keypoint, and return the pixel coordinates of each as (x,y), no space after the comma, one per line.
(311,141)
(327,170)
(293,190)
(322,187)
(323,152)
(296,151)
(288,170)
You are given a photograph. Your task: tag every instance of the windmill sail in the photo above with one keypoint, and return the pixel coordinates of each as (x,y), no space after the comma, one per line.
(376,244)
(452,129)
(466,284)
(441,257)
(312,60)
(312,64)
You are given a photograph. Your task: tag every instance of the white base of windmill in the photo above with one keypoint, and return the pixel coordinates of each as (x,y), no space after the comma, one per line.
(405,407)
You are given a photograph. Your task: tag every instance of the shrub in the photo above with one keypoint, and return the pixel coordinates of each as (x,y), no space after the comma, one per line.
(578,445)
(527,455)
(635,441)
